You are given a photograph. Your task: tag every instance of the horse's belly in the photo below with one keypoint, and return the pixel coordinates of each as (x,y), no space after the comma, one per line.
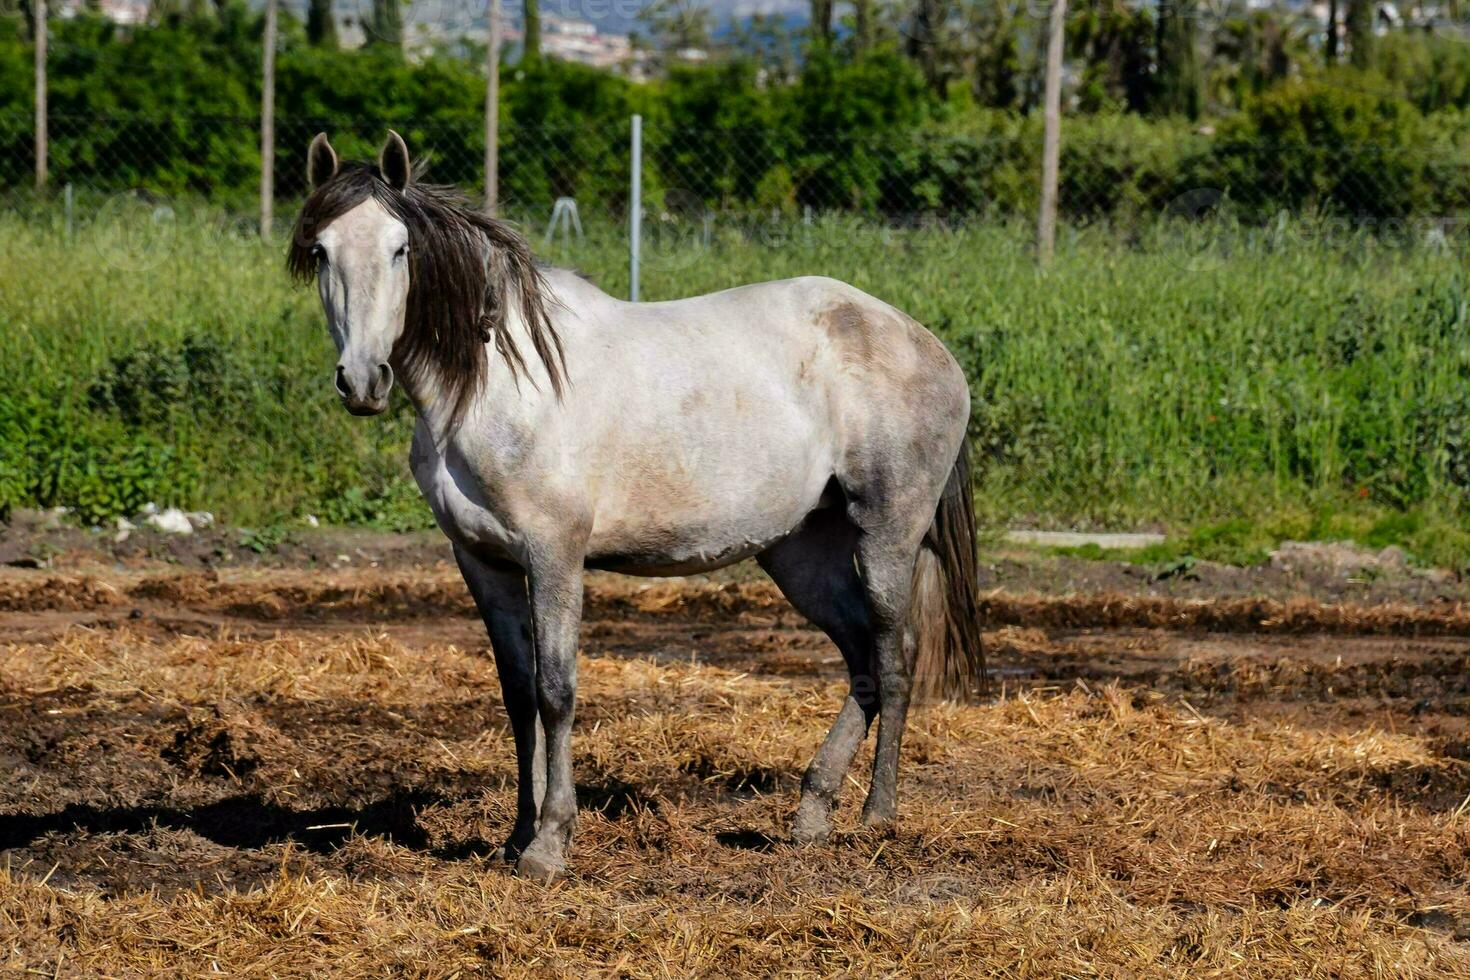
(728,530)
(646,565)
(674,556)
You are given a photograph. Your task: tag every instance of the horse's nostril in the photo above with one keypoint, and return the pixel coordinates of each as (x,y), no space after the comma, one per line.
(384,381)
(343,388)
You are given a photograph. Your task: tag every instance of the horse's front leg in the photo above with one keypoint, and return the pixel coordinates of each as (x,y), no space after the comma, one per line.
(500,596)
(556,606)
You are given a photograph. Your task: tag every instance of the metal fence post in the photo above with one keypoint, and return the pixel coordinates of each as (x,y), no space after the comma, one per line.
(635,208)
(42,124)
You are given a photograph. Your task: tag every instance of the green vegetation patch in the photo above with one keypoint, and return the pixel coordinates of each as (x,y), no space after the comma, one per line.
(1254,384)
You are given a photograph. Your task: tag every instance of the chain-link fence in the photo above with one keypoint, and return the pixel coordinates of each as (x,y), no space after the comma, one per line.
(895,179)
(1227,316)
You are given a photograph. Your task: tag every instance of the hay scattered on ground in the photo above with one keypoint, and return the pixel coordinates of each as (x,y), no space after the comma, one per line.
(324,806)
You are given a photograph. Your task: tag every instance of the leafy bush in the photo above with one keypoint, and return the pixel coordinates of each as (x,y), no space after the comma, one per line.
(1431,72)
(151,383)
(1329,144)
(52,458)
(395,504)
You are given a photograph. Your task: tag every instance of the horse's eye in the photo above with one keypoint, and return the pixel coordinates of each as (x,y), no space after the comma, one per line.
(318,253)
(402,251)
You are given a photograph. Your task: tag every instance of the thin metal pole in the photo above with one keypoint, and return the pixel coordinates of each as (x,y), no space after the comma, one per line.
(268,122)
(42,123)
(492,112)
(1046,220)
(635,209)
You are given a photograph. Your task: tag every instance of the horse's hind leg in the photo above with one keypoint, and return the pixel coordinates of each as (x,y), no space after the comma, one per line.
(814,569)
(887,562)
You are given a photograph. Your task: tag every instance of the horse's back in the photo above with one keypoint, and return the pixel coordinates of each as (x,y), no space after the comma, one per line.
(883,374)
(811,352)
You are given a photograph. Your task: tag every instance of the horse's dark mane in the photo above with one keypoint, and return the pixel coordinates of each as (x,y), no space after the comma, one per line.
(465,269)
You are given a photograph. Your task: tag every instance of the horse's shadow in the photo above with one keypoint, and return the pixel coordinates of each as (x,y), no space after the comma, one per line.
(249,822)
(746,840)
(244,822)
(97,846)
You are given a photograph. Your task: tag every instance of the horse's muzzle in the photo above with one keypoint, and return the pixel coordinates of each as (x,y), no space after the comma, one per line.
(365,392)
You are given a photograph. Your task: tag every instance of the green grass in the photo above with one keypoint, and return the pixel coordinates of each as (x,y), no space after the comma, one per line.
(1235,388)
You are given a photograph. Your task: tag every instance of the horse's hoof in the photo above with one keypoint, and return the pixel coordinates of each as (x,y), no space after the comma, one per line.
(812,825)
(879,815)
(510,850)
(539,867)
(807,835)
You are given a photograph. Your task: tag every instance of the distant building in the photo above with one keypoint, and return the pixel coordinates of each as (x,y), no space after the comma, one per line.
(125,12)
(580,41)
(433,25)
(563,38)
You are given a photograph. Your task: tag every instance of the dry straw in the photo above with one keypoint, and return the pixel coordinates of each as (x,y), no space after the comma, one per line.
(322,803)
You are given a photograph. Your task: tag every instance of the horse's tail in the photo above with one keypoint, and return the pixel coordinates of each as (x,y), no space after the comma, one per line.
(946,656)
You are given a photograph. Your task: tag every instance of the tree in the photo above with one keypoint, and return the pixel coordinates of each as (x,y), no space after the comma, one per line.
(387,24)
(1360,23)
(321,26)
(1332,25)
(1178,86)
(862,34)
(993,54)
(675,25)
(1115,44)
(766,41)
(531,47)
(1253,53)
(925,42)
(821,25)
(28,11)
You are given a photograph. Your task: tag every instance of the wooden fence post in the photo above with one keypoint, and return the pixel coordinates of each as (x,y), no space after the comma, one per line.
(1046,221)
(492,112)
(268,122)
(42,134)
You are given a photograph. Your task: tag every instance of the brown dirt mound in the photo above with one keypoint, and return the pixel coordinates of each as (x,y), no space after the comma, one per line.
(1118,611)
(381,596)
(56,593)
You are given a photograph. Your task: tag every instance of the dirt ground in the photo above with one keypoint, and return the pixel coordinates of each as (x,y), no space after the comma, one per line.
(301,770)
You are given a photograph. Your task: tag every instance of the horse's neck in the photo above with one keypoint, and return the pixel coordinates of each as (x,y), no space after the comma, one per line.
(507,396)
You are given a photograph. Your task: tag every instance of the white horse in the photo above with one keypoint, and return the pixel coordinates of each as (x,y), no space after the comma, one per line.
(803,422)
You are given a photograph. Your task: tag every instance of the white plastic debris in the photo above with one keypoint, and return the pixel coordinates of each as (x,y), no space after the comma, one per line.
(312,521)
(201,519)
(170,521)
(125,527)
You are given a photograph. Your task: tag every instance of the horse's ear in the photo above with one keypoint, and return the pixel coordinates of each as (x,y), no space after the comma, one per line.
(393,162)
(321,161)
